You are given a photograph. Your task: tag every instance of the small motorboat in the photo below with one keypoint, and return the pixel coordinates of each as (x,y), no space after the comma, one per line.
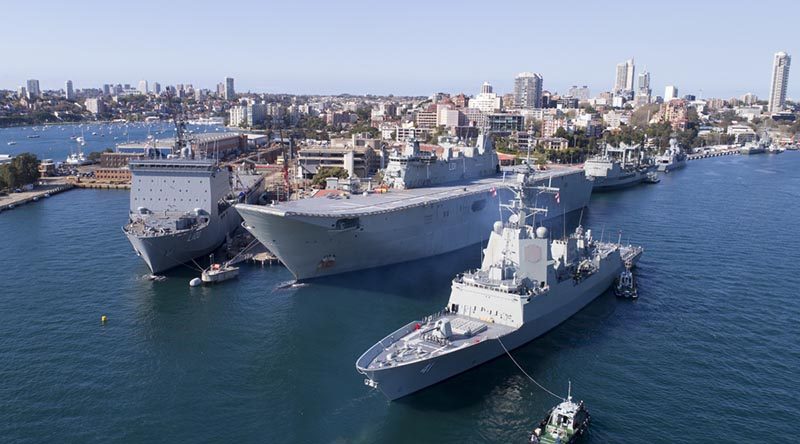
(626,284)
(564,423)
(651,177)
(219,273)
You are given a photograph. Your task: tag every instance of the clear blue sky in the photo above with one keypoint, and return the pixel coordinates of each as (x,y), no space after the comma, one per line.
(723,48)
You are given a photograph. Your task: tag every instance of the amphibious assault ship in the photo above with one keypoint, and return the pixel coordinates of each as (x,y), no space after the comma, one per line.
(181,208)
(526,285)
(436,203)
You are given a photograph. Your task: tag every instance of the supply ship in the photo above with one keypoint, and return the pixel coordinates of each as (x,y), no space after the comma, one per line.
(616,168)
(435,204)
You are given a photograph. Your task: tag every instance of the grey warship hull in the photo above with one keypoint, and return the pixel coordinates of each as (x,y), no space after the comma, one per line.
(162,252)
(316,239)
(604,184)
(402,380)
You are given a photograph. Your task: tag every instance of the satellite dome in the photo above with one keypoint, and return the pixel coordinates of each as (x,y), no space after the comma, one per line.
(498,227)
(541,233)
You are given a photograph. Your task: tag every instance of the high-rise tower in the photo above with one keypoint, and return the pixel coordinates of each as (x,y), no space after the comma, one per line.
(780,81)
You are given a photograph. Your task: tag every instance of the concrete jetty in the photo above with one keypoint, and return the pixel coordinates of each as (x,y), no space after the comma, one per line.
(16,199)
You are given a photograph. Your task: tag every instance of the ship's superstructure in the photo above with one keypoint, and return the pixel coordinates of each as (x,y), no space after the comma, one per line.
(618,167)
(526,285)
(324,236)
(414,168)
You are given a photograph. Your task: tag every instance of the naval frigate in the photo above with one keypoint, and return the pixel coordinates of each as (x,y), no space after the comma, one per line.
(436,203)
(181,208)
(527,284)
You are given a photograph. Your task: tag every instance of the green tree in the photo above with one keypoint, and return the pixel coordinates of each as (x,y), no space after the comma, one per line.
(9,173)
(326,172)
(25,168)
(3,183)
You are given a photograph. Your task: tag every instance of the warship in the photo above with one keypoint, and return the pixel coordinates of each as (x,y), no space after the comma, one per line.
(527,284)
(672,159)
(181,208)
(436,203)
(615,169)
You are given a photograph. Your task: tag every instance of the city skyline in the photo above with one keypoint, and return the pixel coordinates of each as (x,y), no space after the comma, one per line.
(357,48)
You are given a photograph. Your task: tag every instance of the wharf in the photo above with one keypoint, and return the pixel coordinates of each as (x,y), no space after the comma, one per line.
(103,186)
(17,199)
(714,154)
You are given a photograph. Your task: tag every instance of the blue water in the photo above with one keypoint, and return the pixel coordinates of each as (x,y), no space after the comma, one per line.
(54,140)
(709,353)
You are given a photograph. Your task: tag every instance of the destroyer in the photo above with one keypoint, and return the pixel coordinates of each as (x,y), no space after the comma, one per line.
(527,284)
(436,204)
(672,159)
(182,208)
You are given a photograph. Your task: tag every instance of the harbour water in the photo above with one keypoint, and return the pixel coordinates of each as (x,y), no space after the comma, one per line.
(709,352)
(53,141)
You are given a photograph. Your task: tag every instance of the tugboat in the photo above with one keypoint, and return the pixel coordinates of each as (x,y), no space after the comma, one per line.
(564,423)
(626,284)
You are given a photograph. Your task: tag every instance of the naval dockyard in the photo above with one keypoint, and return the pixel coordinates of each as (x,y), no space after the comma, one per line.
(399,183)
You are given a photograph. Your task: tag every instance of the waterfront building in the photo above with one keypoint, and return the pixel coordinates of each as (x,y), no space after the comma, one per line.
(237,115)
(69,91)
(742,133)
(780,81)
(33,89)
(625,76)
(95,106)
(156,88)
(426,119)
(528,90)
(106,89)
(408,131)
(676,113)
(46,168)
(447,116)
(581,93)
(487,101)
(505,123)
(22,92)
(360,157)
(203,145)
(749,99)
(142,87)
(644,92)
(670,92)
(228,91)
(551,124)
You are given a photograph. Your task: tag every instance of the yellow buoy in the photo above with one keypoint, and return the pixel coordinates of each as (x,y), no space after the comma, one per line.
(103,319)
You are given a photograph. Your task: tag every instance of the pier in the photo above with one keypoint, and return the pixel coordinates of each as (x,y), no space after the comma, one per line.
(41,192)
(103,186)
(713,154)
